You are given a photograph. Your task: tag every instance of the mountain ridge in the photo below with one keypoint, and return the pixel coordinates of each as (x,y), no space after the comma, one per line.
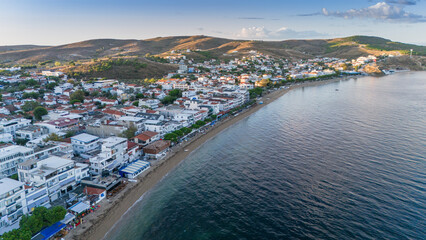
(348,47)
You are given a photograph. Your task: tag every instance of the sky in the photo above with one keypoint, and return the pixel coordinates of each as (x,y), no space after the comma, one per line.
(56,22)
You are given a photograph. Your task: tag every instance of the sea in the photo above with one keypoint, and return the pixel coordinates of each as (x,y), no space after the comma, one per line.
(345,160)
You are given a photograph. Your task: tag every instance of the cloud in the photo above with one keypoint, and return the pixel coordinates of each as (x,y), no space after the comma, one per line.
(281,33)
(251,18)
(403,2)
(380,11)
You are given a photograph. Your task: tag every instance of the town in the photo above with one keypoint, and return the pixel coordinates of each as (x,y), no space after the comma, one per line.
(68,144)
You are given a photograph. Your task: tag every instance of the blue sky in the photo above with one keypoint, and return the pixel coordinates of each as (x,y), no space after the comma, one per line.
(54,22)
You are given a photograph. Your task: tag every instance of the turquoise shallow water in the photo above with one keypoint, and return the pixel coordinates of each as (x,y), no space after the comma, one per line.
(315,164)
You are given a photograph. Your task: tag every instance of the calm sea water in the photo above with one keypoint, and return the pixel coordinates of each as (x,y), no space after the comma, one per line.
(315,164)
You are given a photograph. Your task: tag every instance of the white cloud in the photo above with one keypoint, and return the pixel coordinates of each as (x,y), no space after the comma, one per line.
(281,33)
(379,11)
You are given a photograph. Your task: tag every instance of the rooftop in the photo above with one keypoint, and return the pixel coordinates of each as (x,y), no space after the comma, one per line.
(8,184)
(84,137)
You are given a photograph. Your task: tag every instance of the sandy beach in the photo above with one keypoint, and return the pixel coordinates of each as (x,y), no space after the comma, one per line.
(97,224)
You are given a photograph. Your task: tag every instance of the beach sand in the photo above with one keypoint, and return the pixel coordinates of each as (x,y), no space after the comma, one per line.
(97,224)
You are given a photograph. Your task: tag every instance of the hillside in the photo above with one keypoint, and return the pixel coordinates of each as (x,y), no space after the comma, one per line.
(18,47)
(119,68)
(89,58)
(350,47)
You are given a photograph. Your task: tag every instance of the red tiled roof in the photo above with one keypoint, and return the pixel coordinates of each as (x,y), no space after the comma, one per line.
(145,136)
(131,145)
(113,112)
(93,191)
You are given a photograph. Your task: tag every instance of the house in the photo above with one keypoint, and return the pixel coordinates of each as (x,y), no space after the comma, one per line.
(95,194)
(31,132)
(114,113)
(156,149)
(146,137)
(60,124)
(84,143)
(129,121)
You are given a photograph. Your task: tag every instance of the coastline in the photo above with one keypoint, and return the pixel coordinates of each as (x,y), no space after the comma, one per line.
(97,224)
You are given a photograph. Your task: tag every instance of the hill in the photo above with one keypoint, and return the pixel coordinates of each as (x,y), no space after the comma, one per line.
(349,47)
(18,47)
(89,54)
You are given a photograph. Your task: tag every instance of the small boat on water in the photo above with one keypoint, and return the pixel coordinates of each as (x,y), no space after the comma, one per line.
(337,89)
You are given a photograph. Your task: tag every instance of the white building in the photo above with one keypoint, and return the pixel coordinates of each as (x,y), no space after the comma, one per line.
(113,154)
(12,201)
(11,156)
(36,196)
(56,173)
(10,126)
(84,142)
(6,137)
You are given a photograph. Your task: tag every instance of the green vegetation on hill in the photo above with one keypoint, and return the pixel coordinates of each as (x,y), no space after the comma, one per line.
(382,44)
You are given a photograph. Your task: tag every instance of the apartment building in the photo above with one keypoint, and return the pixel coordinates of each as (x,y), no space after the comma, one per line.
(12,201)
(11,156)
(84,143)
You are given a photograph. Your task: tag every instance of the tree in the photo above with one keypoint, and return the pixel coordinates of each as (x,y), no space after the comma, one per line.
(171,136)
(21,234)
(69,134)
(177,93)
(51,86)
(168,100)
(78,95)
(129,132)
(21,141)
(185,130)
(39,112)
(53,137)
(136,103)
(200,123)
(54,215)
(29,106)
(179,133)
(32,223)
(33,95)
(57,64)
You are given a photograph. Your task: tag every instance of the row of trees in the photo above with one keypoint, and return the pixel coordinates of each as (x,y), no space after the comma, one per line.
(30,225)
(175,135)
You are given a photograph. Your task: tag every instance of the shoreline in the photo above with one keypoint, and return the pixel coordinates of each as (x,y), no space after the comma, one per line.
(99,223)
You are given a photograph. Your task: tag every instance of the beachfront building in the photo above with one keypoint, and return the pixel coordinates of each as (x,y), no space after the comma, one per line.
(146,137)
(84,143)
(11,156)
(12,201)
(134,169)
(56,173)
(156,149)
(113,154)
(36,196)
